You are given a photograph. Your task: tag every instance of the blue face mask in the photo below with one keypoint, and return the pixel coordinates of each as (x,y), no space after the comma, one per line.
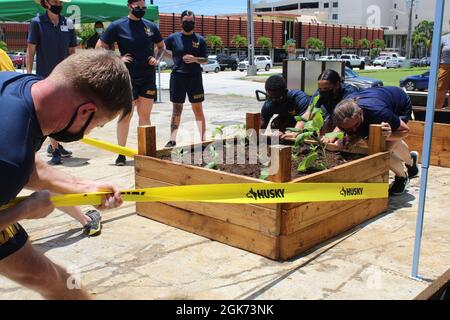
(99,30)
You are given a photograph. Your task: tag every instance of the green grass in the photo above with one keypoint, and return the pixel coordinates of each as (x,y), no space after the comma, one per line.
(391,77)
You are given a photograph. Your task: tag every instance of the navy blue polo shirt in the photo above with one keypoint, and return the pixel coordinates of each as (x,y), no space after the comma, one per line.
(296,105)
(137,38)
(382,104)
(52,42)
(328,107)
(20,133)
(181,45)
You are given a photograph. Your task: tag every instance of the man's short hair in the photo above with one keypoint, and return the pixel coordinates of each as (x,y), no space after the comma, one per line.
(99,76)
(98,22)
(276,84)
(131,1)
(187,13)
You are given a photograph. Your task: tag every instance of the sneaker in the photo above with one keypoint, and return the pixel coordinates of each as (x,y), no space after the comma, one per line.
(56,157)
(399,186)
(170,144)
(94,227)
(121,161)
(64,153)
(413,170)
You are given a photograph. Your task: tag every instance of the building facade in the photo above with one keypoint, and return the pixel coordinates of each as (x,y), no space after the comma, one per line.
(390,15)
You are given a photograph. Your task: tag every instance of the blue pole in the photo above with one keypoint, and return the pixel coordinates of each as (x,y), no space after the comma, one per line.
(429,121)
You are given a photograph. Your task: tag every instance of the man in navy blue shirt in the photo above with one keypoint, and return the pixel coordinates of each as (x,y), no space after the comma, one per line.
(136,38)
(77,97)
(52,38)
(287,104)
(390,107)
(188,51)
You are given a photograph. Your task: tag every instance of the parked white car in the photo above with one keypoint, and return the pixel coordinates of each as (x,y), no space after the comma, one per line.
(353,61)
(381,61)
(211,66)
(261,62)
(326,58)
(394,63)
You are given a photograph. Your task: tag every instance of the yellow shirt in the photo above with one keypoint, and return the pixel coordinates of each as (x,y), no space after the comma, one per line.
(5,62)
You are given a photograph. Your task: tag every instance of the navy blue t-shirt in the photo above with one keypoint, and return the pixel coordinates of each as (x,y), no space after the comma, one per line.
(52,43)
(382,104)
(137,38)
(181,45)
(328,108)
(20,133)
(296,105)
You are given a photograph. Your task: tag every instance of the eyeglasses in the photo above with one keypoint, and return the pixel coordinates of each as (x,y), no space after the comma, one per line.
(275,99)
(140,8)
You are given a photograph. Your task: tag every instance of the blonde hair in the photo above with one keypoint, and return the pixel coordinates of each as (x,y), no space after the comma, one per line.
(344,110)
(98,75)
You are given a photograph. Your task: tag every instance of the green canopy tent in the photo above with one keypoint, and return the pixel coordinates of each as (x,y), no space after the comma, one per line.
(87,10)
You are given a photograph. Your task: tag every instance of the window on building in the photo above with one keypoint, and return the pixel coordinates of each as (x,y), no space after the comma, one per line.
(309,5)
(335,4)
(287,7)
(396,17)
(335,16)
(326,5)
(395,6)
(417,16)
(263,9)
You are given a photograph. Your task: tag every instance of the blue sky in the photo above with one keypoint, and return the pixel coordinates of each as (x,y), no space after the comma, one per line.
(207,7)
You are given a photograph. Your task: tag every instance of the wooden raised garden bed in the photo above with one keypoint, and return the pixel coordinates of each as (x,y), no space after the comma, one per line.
(277,231)
(440,150)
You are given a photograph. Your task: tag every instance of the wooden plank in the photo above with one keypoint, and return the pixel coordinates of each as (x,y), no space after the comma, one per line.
(247,215)
(433,291)
(281,162)
(228,233)
(418,128)
(377,142)
(253,122)
(147,141)
(367,169)
(180,174)
(300,241)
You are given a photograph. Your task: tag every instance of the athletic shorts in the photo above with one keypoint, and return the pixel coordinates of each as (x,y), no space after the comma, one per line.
(12,239)
(186,84)
(144,86)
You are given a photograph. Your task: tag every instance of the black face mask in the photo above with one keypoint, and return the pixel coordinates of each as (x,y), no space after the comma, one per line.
(65,136)
(56,9)
(138,12)
(327,95)
(188,26)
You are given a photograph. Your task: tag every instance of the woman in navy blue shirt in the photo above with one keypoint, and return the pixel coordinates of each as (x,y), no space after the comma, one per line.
(136,38)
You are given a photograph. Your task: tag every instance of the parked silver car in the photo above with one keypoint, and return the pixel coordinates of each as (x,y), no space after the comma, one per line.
(211,66)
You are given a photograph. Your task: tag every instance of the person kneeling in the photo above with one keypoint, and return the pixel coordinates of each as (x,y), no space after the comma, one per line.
(390,107)
(287,104)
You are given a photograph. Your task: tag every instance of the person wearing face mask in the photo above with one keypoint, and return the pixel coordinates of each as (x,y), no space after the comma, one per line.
(390,107)
(287,104)
(136,38)
(74,99)
(92,41)
(52,38)
(331,91)
(188,51)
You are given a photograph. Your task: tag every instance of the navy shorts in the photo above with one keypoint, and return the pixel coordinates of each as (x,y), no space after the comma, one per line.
(186,84)
(144,86)
(12,239)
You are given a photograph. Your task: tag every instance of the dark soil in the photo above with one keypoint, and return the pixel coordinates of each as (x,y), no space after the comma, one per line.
(333,159)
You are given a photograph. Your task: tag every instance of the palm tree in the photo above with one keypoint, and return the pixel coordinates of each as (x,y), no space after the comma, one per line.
(264,42)
(364,43)
(214,41)
(314,44)
(379,43)
(347,42)
(3,46)
(239,41)
(419,39)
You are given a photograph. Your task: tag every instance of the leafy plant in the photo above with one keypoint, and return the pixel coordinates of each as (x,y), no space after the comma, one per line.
(3,46)
(311,131)
(214,163)
(85,32)
(315,44)
(265,171)
(347,42)
(365,43)
(214,41)
(177,154)
(218,131)
(265,42)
